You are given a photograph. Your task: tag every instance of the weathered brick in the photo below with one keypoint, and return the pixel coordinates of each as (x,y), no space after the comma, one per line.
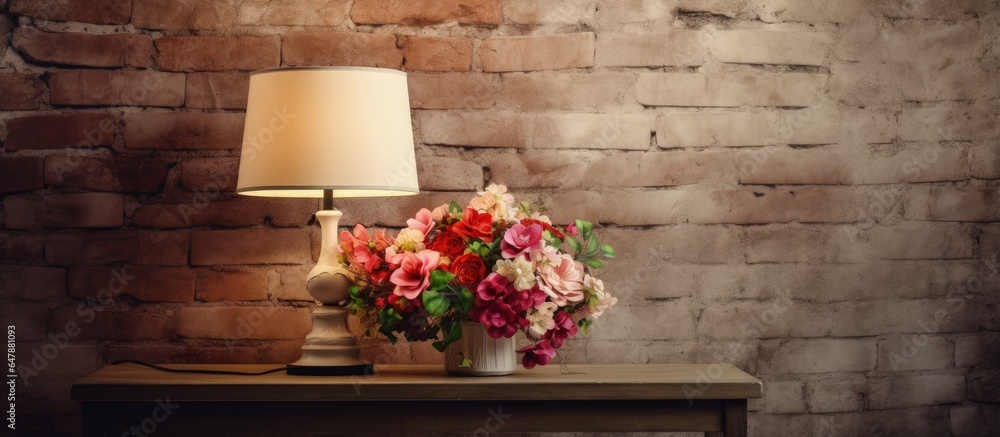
(970,80)
(251,246)
(422,12)
(704,129)
(793,243)
(294,12)
(75,210)
(184,14)
(864,84)
(981,349)
(592,169)
(783,397)
(837,394)
(767,47)
(813,205)
(812,11)
(578,92)
(529,53)
(506,129)
(985,161)
(957,9)
(119,174)
(183,131)
(21,246)
(452,90)
(437,53)
(551,12)
(148,352)
(661,49)
(820,356)
(105,323)
(443,174)
(219,354)
(916,352)
(217,90)
(671,320)
(145,283)
(116,87)
(341,48)
(28,318)
(983,385)
(19,174)
(291,283)
(71,48)
(136,247)
(775,318)
(234,323)
(729,89)
(203,210)
(87,11)
(20,91)
(5,31)
(853,166)
(246,52)
(952,204)
(914,390)
(974,420)
(921,42)
(906,316)
(213,286)
(923,241)
(675,244)
(621,208)
(73,361)
(946,124)
(210,174)
(82,129)
(33,283)
(824,125)
(394,211)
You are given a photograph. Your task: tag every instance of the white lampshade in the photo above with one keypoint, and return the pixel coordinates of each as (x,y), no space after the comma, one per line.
(345,129)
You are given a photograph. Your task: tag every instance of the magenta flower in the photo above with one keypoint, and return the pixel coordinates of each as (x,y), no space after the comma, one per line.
(565,328)
(572,229)
(414,273)
(521,240)
(538,354)
(498,306)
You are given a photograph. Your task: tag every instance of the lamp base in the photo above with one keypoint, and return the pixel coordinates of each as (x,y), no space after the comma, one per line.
(360,369)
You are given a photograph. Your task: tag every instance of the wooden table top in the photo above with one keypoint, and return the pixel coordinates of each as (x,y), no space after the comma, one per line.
(130,382)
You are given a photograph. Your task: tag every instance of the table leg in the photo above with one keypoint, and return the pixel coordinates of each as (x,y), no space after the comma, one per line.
(734,419)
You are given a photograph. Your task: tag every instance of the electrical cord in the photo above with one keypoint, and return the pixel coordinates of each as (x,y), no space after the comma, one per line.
(205,372)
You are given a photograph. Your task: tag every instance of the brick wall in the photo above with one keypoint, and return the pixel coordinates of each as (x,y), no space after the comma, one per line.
(806,189)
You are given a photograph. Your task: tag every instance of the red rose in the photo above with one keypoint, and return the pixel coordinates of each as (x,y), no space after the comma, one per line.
(475,225)
(468,269)
(448,244)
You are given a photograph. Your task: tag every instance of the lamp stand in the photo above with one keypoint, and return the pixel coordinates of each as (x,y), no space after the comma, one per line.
(330,349)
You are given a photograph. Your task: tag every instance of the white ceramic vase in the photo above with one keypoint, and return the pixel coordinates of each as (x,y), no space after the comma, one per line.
(487,356)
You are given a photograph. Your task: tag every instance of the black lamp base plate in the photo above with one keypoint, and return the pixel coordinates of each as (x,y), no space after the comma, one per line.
(360,369)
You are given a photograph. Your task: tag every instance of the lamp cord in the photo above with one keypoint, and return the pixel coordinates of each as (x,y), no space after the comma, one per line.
(201,371)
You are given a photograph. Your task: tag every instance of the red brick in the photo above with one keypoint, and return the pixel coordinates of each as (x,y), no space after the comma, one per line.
(83,129)
(545,52)
(69,48)
(419,12)
(20,174)
(213,286)
(972,204)
(291,284)
(146,283)
(217,90)
(21,246)
(28,318)
(438,53)
(452,90)
(236,323)
(288,351)
(222,355)
(86,11)
(136,247)
(294,12)
(185,14)
(341,48)
(74,210)
(150,353)
(103,323)
(33,283)
(117,87)
(5,29)
(118,174)
(20,91)
(183,131)
(210,174)
(251,246)
(214,53)
(204,210)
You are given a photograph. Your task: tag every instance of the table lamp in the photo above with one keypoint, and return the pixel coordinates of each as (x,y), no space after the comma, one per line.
(328,132)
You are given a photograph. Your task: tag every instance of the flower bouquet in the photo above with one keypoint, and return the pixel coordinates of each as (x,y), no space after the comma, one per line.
(494,262)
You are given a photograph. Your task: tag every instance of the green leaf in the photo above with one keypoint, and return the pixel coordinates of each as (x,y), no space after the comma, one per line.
(586,228)
(464,300)
(454,208)
(592,245)
(607,251)
(594,262)
(574,244)
(466,363)
(585,325)
(440,346)
(435,303)
(440,280)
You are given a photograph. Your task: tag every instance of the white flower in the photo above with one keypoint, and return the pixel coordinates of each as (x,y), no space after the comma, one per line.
(519,271)
(598,298)
(410,240)
(541,318)
(496,202)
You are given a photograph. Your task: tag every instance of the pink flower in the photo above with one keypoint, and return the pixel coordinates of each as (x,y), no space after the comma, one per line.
(565,328)
(414,273)
(538,354)
(521,240)
(382,240)
(423,222)
(562,280)
(572,230)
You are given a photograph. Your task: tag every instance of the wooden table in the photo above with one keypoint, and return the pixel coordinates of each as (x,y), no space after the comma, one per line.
(412,399)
